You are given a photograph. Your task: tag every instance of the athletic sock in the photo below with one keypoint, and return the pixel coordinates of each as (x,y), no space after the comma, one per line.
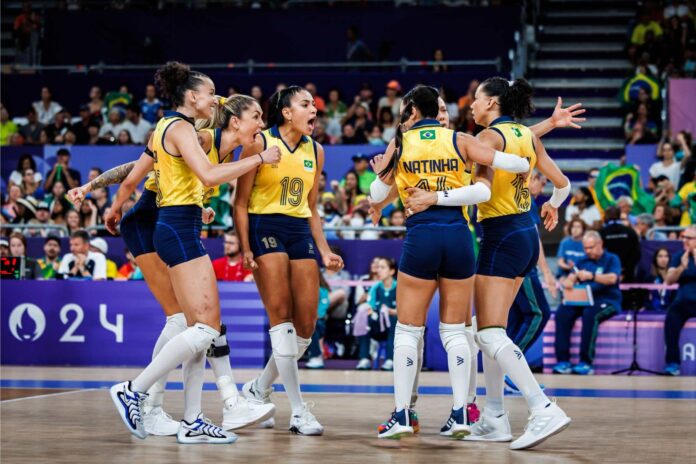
(270,371)
(285,352)
(454,340)
(473,370)
(493,376)
(406,341)
(173,326)
(513,362)
(180,348)
(193,370)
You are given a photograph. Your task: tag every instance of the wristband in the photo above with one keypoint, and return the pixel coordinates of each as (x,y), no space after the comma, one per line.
(559,195)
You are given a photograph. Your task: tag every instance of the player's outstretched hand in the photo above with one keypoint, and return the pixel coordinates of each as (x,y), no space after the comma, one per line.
(567,117)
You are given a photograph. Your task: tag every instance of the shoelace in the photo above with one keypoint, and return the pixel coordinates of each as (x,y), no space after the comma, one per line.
(208,428)
(306,416)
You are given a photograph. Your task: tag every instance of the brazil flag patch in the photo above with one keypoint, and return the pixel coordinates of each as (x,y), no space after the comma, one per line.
(308,165)
(427,134)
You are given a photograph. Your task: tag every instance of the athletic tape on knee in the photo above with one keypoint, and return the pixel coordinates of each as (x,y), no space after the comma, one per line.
(407,335)
(200,336)
(453,335)
(492,340)
(284,340)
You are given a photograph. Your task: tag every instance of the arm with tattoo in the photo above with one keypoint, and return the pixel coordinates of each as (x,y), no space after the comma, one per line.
(110,177)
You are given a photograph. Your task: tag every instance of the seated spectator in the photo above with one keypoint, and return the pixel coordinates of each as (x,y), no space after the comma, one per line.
(685,200)
(50,263)
(645,222)
(7,127)
(346,192)
(231,266)
(315,350)
(81,263)
(30,186)
(120,98)
(46,108)
(81,128)
(4,247)
(136,125)
(61,172)
(332,217)
(124,138)
(375,137)
(387,122)
(319,102)
(26,210)
(658,300)
(9,206)
(662,215)
(336,111)
(150,105)
(639,129)
(666,166)
(600,270)
(99,246)
(58,128)
(100,199)
(130,269)
(43,218)
(73,221)
(583,207)
(622,241)
(96,102)
(18,249)
(377,319)
(625,205)
(320,135)
(361,122)
(31,131)
(396,219)
(644,25)
(392,99)
(571,251)
(682,270)
(114,125)
(58,209)
(349,136)
(338,296)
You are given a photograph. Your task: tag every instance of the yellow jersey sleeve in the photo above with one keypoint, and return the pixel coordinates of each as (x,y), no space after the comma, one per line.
(510,192)
(283,188)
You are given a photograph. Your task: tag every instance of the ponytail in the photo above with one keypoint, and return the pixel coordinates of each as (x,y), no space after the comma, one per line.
(515,98)
(226,108)
(174,79)
(278,101)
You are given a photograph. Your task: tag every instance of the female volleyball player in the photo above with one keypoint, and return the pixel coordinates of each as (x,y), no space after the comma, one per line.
(509,250)
(236,121)
(561,117)
(281,238)
(438,250)
(182,170)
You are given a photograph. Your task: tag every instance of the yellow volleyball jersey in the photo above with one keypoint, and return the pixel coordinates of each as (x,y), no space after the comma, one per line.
(151,183)
(430,159)
(176,183)
(283,188)
(510,192)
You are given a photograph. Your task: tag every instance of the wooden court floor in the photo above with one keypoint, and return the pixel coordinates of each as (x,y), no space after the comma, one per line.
(615,419)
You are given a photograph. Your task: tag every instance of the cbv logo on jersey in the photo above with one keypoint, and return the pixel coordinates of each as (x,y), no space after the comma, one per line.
(27,323)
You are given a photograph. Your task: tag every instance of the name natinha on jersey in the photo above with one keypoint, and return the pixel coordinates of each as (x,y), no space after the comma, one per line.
(426,166)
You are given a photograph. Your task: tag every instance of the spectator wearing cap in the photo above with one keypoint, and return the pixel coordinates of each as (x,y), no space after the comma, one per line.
(18,249)
(26,210)
(392,98)
(4,247)
(150,105)
(645,222)
(46,108)
(50,263)
(621,240)
(43,218)
(99,246)
(114,125)
(62,173)
(7,127)
(135,124)
(81,128)
(31,131)
(81,263)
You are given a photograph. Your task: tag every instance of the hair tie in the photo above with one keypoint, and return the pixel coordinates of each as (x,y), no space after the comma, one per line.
(222,100)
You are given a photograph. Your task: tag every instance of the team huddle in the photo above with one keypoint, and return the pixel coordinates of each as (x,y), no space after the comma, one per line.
(435,171)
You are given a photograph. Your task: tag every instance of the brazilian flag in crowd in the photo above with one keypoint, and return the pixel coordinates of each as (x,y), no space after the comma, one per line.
(617,181)
(630,87)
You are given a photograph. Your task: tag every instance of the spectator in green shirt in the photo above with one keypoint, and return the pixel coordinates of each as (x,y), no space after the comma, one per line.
(361,166)
(50,263)
(7,127)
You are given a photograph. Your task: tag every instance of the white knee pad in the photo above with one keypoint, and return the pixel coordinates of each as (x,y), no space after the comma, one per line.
(407,335)
(302,345)
(200,336)
(176,323)
(284,340)
(492,340)
(453,335)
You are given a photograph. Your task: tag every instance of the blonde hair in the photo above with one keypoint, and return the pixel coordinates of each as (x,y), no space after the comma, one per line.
(226,108)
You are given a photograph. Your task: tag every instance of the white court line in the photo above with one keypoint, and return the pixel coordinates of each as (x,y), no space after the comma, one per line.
(13,400)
